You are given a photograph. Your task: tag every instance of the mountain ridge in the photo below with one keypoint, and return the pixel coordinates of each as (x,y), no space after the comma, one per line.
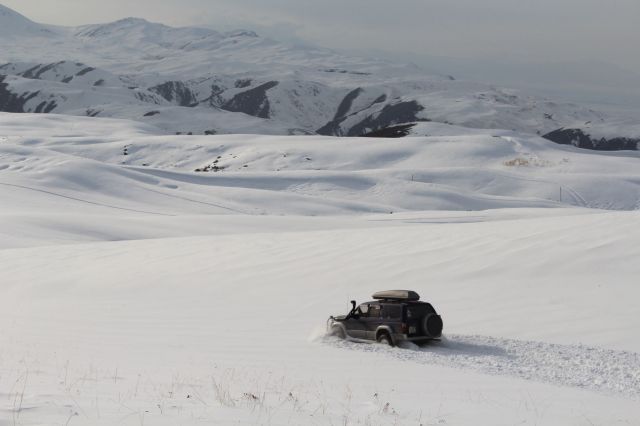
(197,73)
(14,24)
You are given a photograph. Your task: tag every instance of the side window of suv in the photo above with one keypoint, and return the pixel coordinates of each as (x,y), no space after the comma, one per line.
(374,311)
(391,311)
(363,309)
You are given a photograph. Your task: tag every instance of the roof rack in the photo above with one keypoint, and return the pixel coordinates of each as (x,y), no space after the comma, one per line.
(406,295)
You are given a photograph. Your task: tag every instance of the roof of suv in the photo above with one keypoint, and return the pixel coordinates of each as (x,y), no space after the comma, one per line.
(395,302)
(397,295)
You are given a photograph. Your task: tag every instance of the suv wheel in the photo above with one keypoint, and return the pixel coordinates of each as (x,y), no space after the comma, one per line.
(384,338)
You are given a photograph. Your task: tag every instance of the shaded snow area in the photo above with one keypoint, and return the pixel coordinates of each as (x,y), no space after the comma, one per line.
(139,291)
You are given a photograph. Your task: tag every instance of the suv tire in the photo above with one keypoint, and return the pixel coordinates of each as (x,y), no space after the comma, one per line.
(384,338)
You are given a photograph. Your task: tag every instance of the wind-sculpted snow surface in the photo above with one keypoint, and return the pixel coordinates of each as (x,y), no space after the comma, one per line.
(579,366)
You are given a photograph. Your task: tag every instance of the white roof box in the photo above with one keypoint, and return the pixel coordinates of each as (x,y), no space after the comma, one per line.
(407,295)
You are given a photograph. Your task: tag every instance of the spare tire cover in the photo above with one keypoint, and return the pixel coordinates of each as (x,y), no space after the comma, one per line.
(432,325)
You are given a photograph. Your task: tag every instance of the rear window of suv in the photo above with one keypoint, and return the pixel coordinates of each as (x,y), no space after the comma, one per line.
(374,311)
(418,311)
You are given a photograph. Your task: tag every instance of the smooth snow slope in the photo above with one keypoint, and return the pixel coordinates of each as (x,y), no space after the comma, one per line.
(227,329)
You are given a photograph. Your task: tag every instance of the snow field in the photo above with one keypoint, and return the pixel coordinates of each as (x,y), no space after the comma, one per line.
(176,313)
(153,294)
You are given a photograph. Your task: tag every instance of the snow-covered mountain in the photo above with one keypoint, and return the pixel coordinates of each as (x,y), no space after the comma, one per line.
(196,80)
(14,25)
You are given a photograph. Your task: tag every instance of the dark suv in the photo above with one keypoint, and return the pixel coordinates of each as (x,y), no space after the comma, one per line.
(394,316)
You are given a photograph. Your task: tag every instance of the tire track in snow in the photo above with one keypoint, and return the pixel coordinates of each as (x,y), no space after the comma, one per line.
(206,203)
(590,368)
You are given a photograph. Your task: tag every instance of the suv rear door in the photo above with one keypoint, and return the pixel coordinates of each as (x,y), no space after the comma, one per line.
(415,314)
(391,316)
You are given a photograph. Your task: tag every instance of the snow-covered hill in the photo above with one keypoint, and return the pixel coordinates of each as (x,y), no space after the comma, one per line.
(126,69)
(137,290)
(104,166)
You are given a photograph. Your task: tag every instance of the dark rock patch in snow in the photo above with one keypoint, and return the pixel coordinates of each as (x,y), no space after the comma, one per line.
(45,107)
(398,131)
(390,115)
(347,102)
(242,83)
(252,102)
(339,71)
(176,92)
(402,112)
(216,100)
(84,71)
(36,72)
(12,102)
(580,139)
(380,99)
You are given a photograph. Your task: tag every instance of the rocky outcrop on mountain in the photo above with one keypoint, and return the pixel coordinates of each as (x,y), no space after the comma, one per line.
(68,72)
(373,119)
(401,112)
(580,139)
(176,92)
(252,102)
(11,102)
(398,131)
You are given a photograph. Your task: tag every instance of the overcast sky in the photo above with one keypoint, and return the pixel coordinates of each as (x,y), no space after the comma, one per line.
(553,30)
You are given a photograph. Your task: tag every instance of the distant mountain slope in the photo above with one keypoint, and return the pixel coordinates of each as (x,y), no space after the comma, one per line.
(136,69)
(14,25)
